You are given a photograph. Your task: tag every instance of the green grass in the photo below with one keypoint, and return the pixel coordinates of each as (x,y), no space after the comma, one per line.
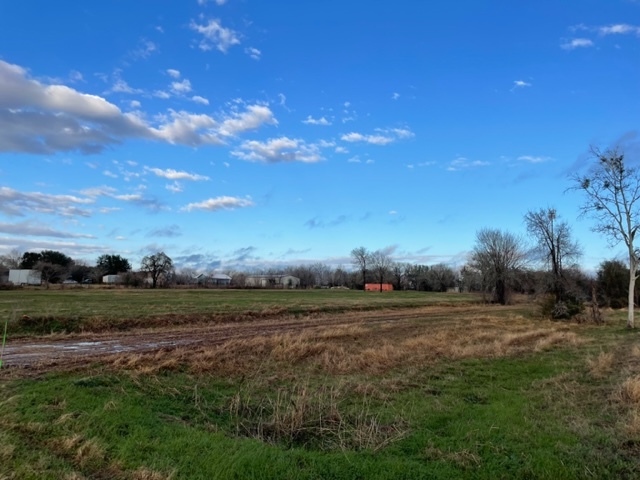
(531,414)
(40,311)
(480,418)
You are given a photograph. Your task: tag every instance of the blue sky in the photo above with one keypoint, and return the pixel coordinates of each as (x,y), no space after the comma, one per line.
(250,134)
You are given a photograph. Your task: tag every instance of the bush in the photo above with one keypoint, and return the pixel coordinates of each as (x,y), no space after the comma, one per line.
(617,303)
(561,310)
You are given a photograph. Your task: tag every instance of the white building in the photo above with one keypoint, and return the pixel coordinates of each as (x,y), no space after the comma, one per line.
(112,279)
(25,277)
(272,281)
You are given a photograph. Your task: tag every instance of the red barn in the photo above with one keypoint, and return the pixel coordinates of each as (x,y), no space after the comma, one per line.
(375,287)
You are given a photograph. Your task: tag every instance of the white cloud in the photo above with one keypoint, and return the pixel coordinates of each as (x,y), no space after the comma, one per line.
(373,139)
(120,86)
(181,87)
(173,72)
(462,163)
(199,99)
(251,118)
(341,150)
(215,35)
(316,121)
(144,50)
(219,203)
(395,96)
(383,137)
(218,2)
(576,43)
(533,159)
(282,149)
(619,29)
(15,203)
(175,187)
(38,230)
(172,174)
(520,84)
(134,104)
(43,119)
(253,52)
(189,129)
(75,76)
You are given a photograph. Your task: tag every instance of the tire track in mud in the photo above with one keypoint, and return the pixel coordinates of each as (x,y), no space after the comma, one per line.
(44,353)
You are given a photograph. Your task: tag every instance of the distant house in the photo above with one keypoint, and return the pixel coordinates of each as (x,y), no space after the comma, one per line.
(217,279)
(25,277)
(272,281)
(112,279)
(376,287)
(220,279)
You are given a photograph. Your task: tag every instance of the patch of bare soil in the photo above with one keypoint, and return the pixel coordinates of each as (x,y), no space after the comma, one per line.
(34,355)
(60,350)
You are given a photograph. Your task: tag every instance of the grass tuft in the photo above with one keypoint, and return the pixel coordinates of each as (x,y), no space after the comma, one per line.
(601,365)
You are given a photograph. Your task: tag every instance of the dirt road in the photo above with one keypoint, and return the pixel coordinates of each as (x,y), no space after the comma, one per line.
(43,353)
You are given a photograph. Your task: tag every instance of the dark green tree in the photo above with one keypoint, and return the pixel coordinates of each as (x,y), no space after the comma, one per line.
(112,264)
(613,282)
(29,260)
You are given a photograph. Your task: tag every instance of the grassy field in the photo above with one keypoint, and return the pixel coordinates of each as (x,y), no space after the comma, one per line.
(40,311)
(467,391)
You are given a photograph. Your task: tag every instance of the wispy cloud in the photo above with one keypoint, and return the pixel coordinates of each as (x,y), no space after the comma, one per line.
(576,43)
(520,84)
(533,159)
(16,203)
(315,222)
(253,52)
(619,29)
(172,174)
(316,121)
(214,35)
(462,163)
(170,231)
(34,229)
(282,149)
(220,203)
(381,137)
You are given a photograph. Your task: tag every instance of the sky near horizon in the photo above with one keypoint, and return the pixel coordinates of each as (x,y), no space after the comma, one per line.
(241,134)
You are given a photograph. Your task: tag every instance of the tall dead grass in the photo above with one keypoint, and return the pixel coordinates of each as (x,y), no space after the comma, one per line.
(360,348)
(312,417)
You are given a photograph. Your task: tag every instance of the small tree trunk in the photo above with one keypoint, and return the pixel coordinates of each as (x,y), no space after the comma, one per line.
(632,289)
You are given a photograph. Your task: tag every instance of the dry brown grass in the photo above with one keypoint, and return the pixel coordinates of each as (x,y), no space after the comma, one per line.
(145,473)
(367,348)
(463,458)
(316,417)
(630,391)
(601,365)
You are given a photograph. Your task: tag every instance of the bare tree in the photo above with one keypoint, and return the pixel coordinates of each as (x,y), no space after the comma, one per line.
(398,270)
(158,266)
(380,264)
(11,259)
(613,200)
(498,256)
(441,277)
(360,258)
(554,245)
